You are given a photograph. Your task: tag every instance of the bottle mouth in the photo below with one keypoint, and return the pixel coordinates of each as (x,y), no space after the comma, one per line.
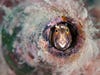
(74,40)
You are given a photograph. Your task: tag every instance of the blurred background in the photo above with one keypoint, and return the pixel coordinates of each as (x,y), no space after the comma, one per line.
(93,7)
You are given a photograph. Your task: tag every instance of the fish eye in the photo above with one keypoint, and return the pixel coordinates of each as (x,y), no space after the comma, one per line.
(67,30)
(56,30)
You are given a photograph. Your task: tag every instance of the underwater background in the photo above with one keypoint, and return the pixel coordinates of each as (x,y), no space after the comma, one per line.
(90,68)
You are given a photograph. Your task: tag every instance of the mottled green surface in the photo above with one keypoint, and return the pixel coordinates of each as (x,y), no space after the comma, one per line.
(7,41)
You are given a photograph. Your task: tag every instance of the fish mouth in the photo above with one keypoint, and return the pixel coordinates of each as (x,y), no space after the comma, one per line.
(62,45)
